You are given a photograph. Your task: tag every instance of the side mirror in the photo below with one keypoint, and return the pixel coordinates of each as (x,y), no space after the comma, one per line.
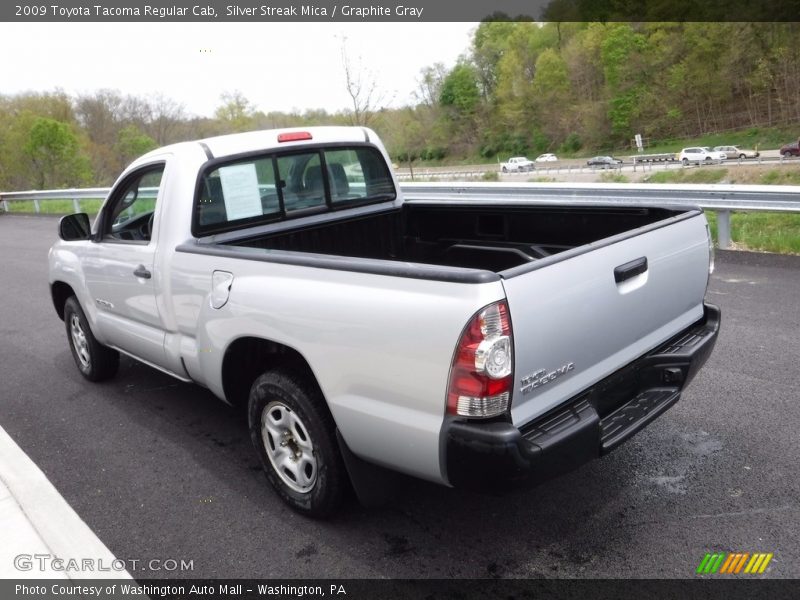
(73,228)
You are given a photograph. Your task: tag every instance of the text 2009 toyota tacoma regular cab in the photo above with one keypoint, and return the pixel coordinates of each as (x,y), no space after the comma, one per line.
(471,343)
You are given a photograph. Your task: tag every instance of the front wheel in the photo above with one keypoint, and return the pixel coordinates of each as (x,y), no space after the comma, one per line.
(787,154)
(685,162)
(294,435)
(95,361)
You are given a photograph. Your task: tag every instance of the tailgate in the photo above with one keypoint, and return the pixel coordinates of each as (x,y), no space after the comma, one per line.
(579,319)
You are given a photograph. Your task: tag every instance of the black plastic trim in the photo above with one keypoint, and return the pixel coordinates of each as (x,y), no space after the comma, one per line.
(207,150)
(630,269)
(589,425)
(357,265)
(113,198)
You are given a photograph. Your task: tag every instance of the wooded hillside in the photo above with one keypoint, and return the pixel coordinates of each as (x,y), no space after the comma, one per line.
(521,88)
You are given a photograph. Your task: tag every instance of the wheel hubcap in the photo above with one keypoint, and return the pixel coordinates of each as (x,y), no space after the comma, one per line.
(79,341)
(288,446)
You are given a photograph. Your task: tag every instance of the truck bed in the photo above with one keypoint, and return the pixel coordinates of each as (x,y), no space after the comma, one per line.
(488,237)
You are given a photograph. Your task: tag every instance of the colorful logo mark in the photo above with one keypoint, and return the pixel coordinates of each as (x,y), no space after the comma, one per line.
(734,562)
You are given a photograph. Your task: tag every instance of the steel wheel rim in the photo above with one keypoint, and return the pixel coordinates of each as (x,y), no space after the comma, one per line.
(289,447)
(79,341)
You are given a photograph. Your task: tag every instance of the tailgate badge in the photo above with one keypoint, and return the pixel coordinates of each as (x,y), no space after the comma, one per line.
(543,377)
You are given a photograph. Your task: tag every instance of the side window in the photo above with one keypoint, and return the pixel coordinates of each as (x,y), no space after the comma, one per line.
(130,216)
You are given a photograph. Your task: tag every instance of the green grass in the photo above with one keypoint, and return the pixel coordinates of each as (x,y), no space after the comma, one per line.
(781,177)
(770,232)
(698,175)
(54,207)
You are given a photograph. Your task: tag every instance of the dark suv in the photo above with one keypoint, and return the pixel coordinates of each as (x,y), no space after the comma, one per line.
(788,150)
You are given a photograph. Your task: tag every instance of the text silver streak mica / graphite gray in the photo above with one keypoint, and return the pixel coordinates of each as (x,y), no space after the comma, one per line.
(282,270)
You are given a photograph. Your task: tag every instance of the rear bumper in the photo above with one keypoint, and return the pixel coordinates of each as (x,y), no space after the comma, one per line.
(481,455)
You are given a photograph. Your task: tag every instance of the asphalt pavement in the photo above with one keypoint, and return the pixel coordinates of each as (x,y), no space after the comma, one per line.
(163,470)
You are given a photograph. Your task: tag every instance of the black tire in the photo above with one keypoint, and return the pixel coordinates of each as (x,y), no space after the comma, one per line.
(685,162)
(505,170)
(311,451)
(95,361)
(742,157)
(787,154)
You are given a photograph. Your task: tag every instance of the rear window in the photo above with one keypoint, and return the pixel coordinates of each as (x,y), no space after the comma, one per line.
(282,185)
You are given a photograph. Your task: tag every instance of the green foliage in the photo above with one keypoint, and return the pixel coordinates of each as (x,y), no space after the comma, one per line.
(235,113)
(132,143)
(491,176)
(433,153)
(572,144)
(691,175)
(460,89)
(53,149)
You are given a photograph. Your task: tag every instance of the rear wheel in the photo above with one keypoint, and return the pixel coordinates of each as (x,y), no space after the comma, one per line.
(742,157)
(95,361)
(294,435)
(787,154)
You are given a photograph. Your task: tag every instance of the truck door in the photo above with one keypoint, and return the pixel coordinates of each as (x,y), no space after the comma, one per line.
(119,268)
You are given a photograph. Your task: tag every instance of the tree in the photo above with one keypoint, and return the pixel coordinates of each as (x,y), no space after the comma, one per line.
(54,151)
(236,113)
(362,87)
(132,143)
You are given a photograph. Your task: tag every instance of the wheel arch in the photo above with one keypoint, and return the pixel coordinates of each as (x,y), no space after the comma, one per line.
(60,292)
(248,357)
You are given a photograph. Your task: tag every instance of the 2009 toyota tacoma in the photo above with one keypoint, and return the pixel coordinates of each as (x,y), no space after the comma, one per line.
(469,343)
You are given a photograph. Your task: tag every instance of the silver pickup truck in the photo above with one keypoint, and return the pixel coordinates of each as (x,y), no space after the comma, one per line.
(472,344)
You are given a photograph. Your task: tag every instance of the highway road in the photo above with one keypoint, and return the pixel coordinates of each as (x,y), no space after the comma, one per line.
(576,169)
(162,470)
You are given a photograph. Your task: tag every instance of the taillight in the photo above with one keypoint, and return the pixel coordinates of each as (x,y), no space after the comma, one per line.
(481,374)
(294,136)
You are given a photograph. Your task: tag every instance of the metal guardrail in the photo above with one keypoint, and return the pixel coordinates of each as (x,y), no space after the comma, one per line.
(721,198)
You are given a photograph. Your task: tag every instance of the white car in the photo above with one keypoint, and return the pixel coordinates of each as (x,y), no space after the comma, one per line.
(517,164)
(546,158)
(700,155)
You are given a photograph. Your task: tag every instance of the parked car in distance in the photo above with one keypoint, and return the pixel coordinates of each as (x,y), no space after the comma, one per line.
(699,155)
(517,164)
(734,152)
(607,162)
(789,150)
(546,158)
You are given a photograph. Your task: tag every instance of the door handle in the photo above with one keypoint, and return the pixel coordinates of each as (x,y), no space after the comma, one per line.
(630,269)
(142,272)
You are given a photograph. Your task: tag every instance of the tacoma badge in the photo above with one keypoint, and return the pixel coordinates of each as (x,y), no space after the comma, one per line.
(542,377)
